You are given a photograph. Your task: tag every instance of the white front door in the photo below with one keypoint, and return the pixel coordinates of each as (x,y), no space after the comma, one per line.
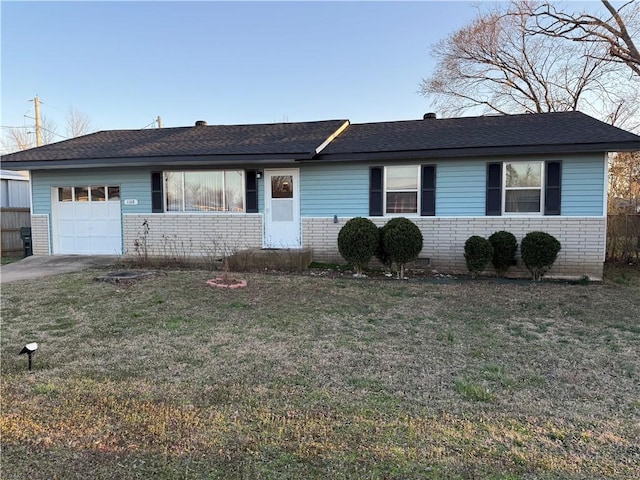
(87,220)
(282,208)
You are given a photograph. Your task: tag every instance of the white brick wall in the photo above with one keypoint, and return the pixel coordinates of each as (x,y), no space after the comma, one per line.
(40,235)
(191,235)
(582,238)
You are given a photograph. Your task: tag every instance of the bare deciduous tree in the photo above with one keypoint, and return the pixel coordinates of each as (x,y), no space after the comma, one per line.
(615,32)
(17,138)
(78,123)
(496,65)
(48,131)
(624,182)
(21,138)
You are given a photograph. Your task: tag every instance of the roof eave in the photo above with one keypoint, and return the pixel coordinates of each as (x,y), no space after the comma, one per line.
(479,152)
(192,160)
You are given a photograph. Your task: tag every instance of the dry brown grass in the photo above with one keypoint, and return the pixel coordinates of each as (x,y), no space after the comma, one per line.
(306,377)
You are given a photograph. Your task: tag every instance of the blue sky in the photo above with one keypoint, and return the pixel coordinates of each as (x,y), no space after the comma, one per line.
(124,63)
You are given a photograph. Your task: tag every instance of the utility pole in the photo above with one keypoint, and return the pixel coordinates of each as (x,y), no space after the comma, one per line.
(36,103)
(159,120)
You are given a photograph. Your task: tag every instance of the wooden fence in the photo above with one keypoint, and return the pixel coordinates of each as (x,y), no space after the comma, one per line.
(623,238)
(11,221)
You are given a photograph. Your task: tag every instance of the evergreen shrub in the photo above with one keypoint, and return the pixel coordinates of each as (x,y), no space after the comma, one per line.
(401,243)
(505,247)
(477,254)
(539,251)
(357,242)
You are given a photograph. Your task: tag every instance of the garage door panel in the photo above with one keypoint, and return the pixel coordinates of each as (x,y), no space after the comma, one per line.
(82,211)
(87,227)
(101,228)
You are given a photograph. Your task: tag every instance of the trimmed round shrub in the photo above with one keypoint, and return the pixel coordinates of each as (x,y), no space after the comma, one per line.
(401,242)
(539,251)
(477,254)
(504,246)
(357,242)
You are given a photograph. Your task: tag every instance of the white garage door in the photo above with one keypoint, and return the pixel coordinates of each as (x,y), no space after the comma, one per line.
(86,220)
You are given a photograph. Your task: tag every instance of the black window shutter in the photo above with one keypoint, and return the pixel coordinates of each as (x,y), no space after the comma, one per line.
(553,190)
(375,192)
(428,202)
(252,191)
(157,200)
(494,189)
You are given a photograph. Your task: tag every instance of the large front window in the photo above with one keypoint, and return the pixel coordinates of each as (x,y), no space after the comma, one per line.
(205,191)
(401,189)
(523,187)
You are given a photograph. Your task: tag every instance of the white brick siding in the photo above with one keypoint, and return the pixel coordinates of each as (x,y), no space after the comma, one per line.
(583,241)
(40,239)
(192,235)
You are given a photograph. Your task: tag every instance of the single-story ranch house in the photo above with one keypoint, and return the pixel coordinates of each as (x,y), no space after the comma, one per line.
(208,188)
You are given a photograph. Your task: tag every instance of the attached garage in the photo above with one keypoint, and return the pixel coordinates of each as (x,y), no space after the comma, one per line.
(87,220)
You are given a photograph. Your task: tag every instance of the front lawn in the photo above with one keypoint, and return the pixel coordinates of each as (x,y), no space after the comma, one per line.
(299,377)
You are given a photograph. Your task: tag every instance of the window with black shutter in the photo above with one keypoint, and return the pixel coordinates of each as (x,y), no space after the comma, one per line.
(428,199)
(252,191)
(157,200)
(552,195)
(494,189)
(375,192)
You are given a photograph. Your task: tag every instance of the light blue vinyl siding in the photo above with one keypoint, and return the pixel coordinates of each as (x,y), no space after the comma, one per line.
(340,189)
(134,184)
(343,189)
(461,188)
(583,185)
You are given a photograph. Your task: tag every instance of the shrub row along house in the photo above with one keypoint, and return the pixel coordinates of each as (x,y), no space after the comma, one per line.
(294,185)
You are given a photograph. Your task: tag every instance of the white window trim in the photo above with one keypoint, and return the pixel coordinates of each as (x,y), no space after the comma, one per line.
(90,196)
(543,177)
(224,199)
(418,192)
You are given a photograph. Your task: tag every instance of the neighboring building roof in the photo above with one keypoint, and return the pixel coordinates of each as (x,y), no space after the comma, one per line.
(477,136)
(333,140)
(10,175)
(280,141)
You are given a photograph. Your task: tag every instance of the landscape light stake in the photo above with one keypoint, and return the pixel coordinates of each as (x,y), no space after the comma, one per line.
(29,349)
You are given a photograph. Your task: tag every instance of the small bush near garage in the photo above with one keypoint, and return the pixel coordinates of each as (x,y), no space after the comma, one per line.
(401,242)
(504,246)
(539,251)
(477,254)
(358,241)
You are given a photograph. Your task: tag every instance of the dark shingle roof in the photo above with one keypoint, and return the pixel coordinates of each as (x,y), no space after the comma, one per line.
(565,132)
(289,140)
(466,136)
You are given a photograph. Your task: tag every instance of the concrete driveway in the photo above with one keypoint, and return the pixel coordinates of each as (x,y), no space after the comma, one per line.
(44,266)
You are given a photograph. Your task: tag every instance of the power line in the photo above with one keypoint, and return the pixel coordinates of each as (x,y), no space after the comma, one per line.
(53,133)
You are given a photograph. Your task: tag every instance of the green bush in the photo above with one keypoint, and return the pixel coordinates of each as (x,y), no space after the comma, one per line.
(539,251)
(357,242)
(505,247)
(381,253)
(401,242)
(477,253)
